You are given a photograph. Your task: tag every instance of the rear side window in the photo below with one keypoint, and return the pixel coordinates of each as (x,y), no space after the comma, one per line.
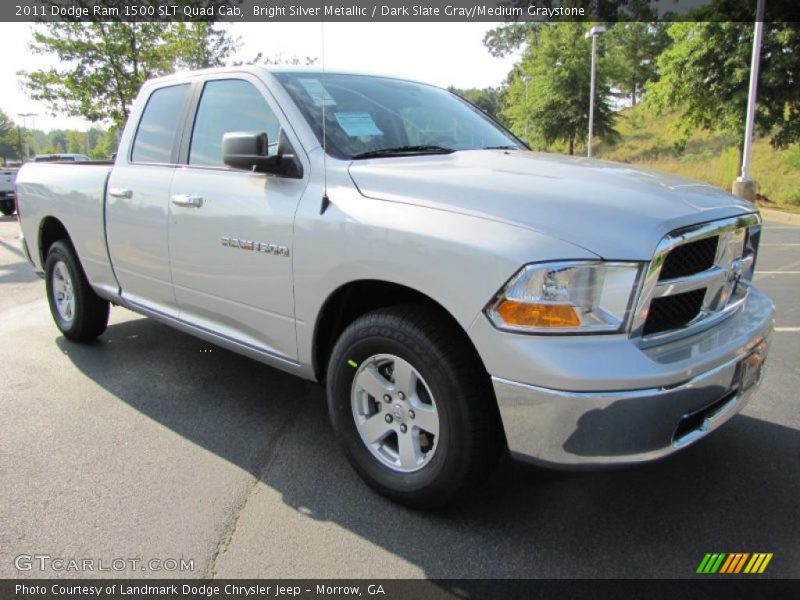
(229,105)
(158,125)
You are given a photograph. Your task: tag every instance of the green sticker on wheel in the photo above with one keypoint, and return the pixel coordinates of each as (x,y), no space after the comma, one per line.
(352,363)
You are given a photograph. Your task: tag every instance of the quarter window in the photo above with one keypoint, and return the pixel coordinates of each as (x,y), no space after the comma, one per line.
(229,105)
(158,125)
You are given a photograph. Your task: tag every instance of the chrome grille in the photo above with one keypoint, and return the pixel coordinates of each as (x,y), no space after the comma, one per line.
(690,258)
(698,275)
(672,312)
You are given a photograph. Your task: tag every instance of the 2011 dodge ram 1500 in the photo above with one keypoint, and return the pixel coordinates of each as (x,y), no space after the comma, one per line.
(457,293)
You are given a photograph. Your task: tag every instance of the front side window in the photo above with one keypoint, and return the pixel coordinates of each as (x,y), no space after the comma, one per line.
(366,114)
(158,125)
(226,106)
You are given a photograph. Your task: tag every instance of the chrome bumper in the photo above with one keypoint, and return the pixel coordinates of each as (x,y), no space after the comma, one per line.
(578,429)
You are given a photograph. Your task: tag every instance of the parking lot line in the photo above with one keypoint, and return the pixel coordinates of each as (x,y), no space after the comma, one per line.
(787,329)
(777,272)
(779,244)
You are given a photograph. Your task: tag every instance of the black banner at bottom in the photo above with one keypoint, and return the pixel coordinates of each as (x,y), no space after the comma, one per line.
(730,588)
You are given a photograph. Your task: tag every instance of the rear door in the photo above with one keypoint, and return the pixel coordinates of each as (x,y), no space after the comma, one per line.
(231,230)
(137,210)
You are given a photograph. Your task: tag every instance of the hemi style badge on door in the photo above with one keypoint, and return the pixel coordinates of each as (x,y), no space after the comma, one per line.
(255,246)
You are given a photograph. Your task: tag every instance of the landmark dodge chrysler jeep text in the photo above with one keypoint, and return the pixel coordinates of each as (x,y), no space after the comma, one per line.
(457,293)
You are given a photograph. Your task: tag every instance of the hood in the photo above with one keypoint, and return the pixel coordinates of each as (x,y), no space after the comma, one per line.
(611,209)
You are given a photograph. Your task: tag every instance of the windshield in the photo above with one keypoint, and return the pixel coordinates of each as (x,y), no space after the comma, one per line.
(367,115)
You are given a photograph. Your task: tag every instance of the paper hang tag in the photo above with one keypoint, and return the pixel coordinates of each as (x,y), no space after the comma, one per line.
(357,124)
(317,91)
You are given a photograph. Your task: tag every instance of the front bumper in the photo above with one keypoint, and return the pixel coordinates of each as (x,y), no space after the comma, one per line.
(587,429)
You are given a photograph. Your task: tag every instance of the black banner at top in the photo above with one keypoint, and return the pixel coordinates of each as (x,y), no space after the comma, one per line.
(397,10)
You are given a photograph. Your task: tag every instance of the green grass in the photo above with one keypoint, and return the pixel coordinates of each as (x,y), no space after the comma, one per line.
(652,141)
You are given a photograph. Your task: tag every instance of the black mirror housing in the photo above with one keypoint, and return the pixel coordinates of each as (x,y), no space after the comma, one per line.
(248,150)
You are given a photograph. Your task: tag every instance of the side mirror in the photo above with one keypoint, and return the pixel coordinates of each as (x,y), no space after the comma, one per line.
(249,150)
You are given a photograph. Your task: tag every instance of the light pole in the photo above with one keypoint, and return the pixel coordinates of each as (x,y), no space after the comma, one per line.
(25,131)
(744,186)
(527,80)
(592,33)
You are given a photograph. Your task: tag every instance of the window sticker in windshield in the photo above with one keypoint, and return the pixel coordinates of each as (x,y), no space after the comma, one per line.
(317,91)
(356,124)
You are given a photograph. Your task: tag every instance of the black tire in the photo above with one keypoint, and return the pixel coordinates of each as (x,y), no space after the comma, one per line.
(89,314)
(470,438)
(7,207)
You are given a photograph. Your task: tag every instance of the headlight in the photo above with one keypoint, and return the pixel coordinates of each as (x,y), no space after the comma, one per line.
(567,297)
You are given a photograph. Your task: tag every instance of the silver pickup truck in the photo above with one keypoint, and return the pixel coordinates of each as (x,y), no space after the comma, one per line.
(459,295)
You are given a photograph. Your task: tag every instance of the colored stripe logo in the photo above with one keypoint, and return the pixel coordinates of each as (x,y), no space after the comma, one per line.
(734,563)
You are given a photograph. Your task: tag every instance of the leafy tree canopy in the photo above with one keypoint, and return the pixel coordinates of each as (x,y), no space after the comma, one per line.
(103,65)
(705,74)
(548,92)
(489,100)
(632,51)
(10,138)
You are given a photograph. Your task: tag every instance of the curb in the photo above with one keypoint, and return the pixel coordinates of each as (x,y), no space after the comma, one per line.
(780,216)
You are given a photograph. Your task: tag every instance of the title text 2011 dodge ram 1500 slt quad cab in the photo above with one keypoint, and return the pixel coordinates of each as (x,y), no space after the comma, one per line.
(457,293)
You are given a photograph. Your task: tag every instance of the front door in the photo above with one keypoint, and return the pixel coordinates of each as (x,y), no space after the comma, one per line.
(231,230)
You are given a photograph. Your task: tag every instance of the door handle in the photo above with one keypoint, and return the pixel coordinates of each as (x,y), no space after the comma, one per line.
(120,193)
(188,200)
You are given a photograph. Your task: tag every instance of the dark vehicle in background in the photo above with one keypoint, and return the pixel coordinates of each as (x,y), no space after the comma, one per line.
(7,177)
(61,158)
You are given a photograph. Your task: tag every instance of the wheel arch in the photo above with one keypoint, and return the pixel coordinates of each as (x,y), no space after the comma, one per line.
(51,230)
(355,298)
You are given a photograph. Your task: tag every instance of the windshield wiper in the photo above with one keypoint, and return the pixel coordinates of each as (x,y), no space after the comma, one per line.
(405,150)
(500,148)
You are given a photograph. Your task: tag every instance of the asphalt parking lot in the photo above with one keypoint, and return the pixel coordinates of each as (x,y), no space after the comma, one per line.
(152,444)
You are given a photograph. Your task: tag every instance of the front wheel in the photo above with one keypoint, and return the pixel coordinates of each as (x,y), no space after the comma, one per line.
(412,405)
(77,310)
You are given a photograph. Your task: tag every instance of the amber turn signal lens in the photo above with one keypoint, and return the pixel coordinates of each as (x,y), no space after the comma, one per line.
(522,314)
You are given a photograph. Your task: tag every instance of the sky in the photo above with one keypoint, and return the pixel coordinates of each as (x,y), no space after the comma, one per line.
(439,53)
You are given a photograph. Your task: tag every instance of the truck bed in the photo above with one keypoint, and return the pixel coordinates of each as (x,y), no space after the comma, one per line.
(74,194)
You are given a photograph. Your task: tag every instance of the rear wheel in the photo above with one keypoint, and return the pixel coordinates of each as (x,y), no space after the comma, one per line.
(77,310)
(7,207)
(412,406)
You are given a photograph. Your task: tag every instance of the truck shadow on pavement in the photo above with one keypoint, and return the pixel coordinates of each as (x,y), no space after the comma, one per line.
(736,491)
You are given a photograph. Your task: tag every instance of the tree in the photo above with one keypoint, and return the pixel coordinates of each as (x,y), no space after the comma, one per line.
(202,45)
(489,100)
(56,142)
(548,92)
(105,145)
(278,59)
(705,74)
(632,50)
(9,138)
(509,37)
(76,142)
(103,65)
